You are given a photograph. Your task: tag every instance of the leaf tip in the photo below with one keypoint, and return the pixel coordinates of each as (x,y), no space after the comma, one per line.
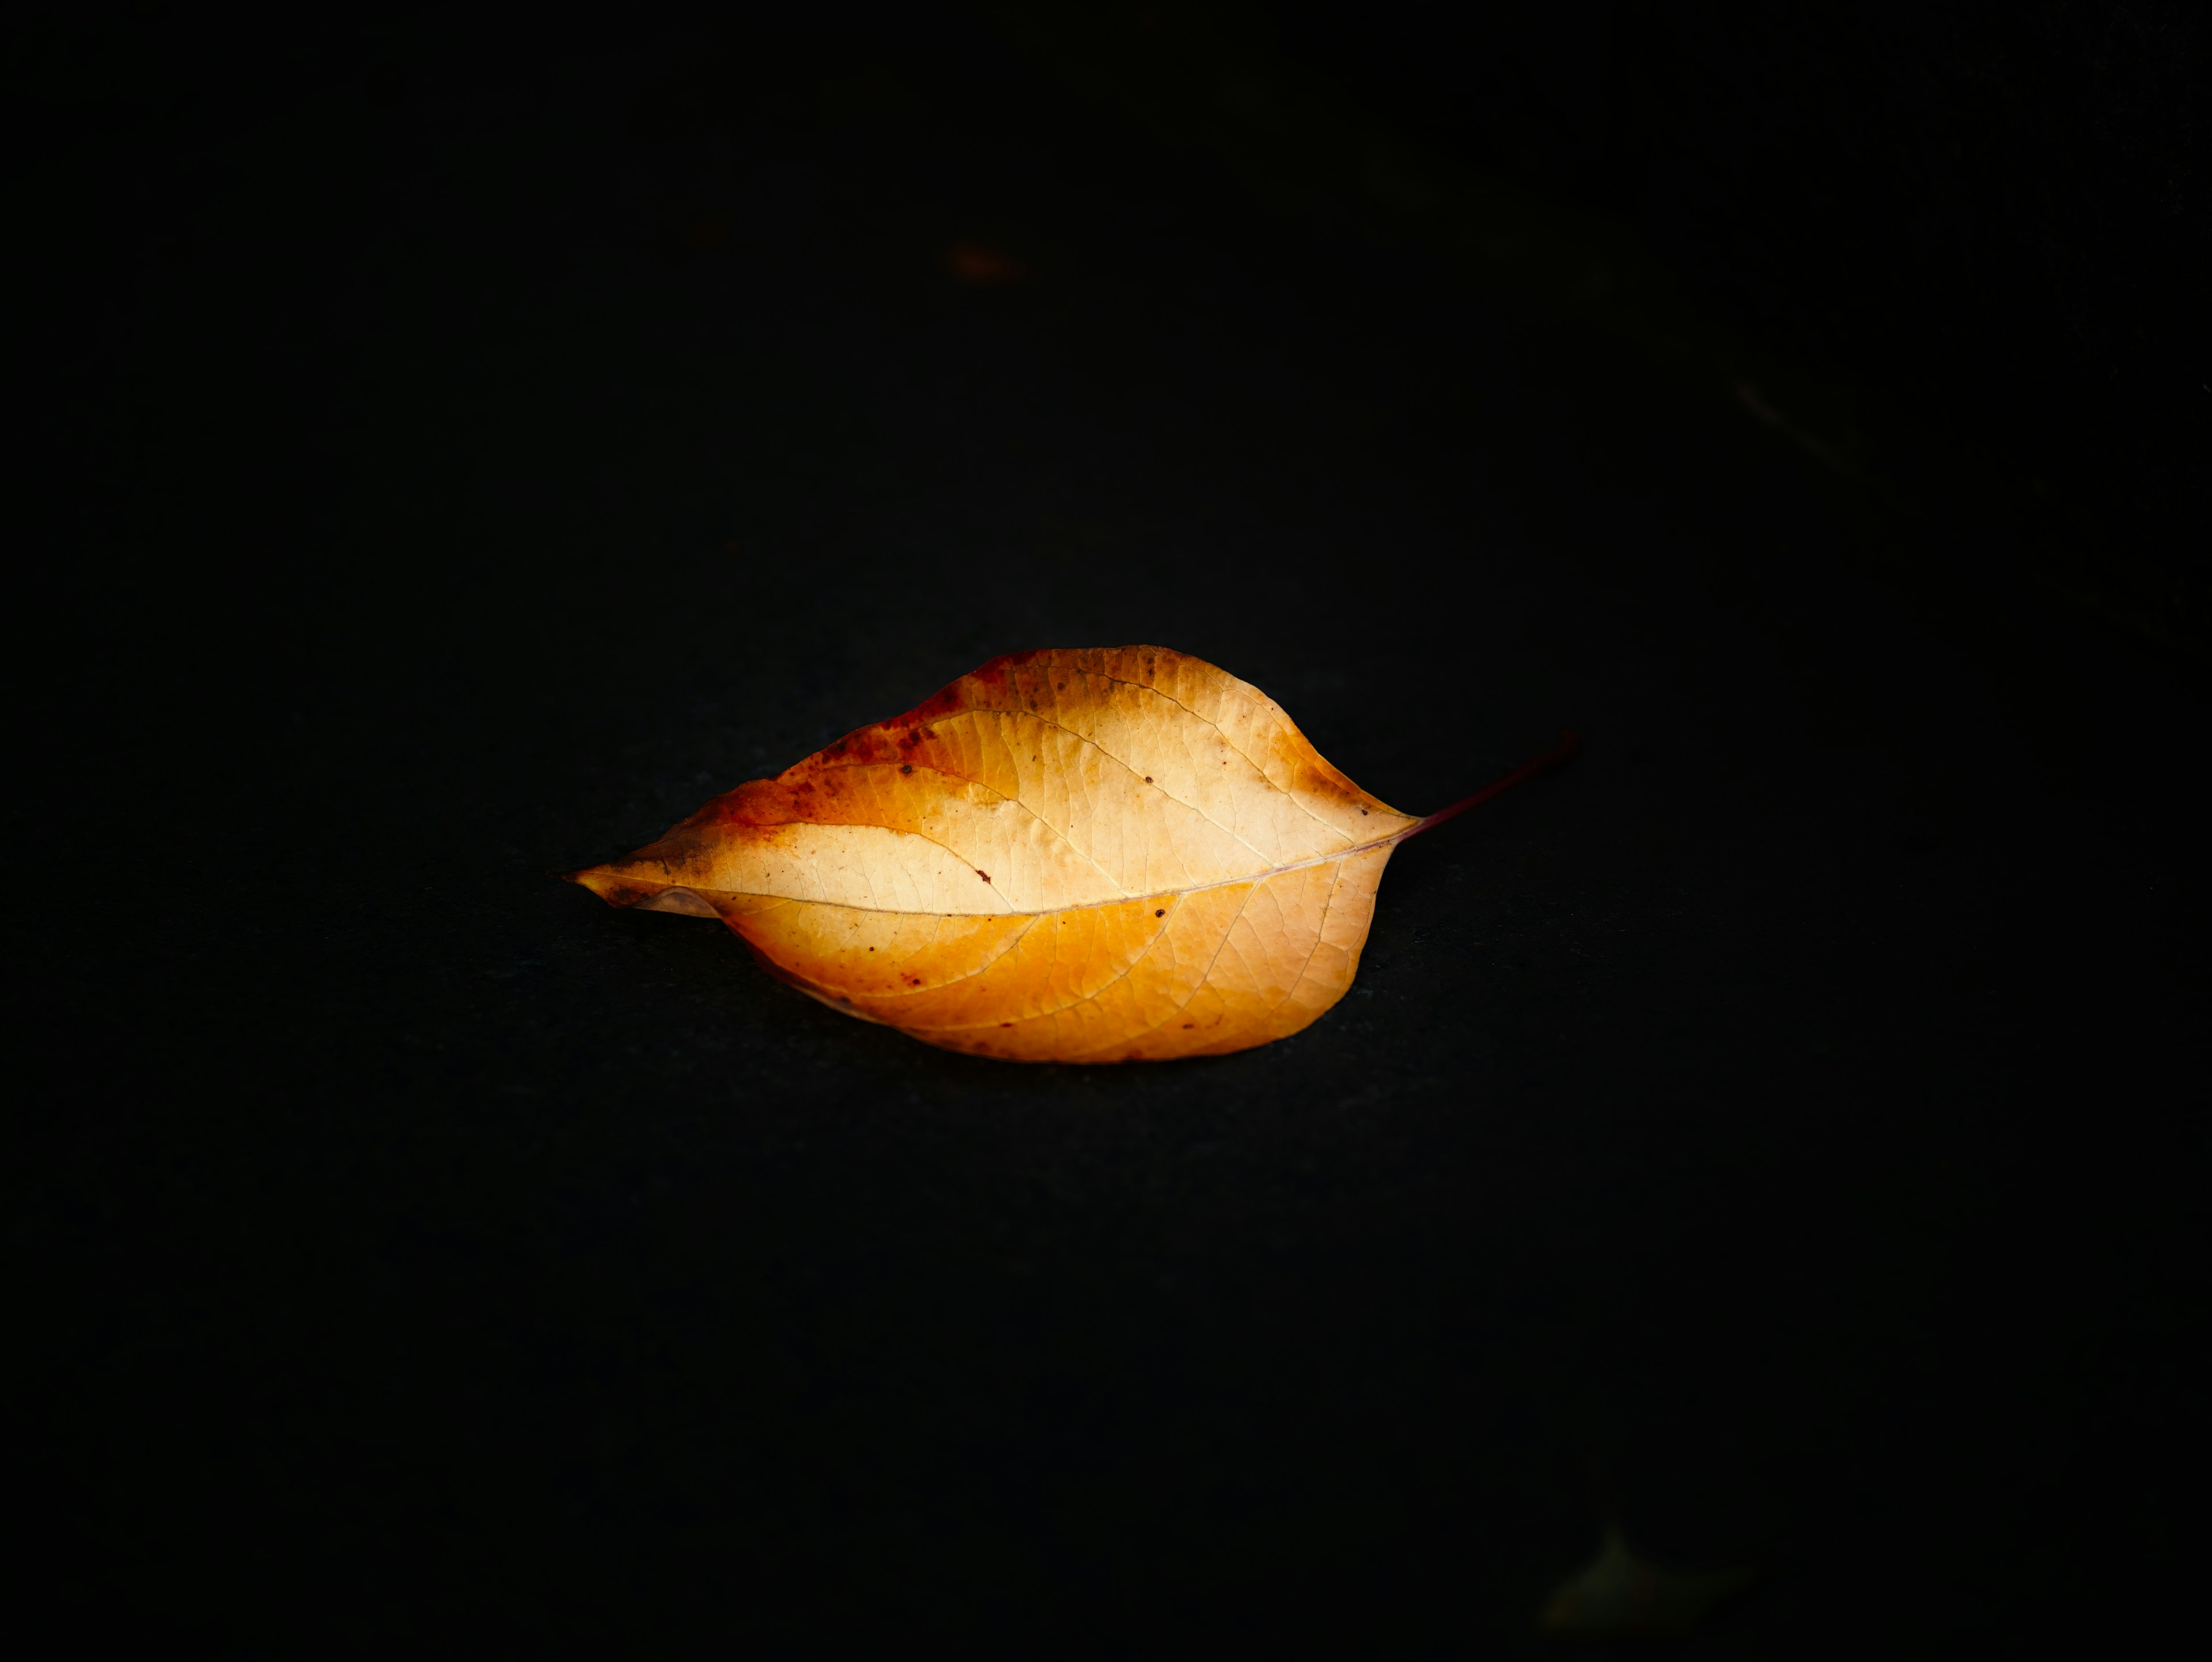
(605,885)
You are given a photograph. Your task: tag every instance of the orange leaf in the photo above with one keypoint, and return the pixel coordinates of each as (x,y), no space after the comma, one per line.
(1098,855)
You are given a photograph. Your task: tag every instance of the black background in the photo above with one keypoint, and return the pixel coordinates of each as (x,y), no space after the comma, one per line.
(478,443)
(1999,213)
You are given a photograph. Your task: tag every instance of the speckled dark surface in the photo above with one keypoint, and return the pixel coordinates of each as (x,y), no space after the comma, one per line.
(1779,1122)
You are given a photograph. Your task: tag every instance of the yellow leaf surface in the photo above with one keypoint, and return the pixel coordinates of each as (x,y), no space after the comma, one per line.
(1099,855)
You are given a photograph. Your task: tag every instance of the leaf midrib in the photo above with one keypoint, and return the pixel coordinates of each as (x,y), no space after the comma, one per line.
(1261,876)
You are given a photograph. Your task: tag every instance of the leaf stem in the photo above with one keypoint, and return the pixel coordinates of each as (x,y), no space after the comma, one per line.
(1559,756)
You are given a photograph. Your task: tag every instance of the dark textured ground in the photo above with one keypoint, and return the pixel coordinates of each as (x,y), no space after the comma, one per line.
(1781,1123)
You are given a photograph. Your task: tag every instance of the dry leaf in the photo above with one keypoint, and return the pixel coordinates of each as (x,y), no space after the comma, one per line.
(1101,856)
(1618,1594)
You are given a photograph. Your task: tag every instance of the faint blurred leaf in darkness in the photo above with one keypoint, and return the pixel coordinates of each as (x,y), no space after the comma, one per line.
(982,266)
(1620,1595)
